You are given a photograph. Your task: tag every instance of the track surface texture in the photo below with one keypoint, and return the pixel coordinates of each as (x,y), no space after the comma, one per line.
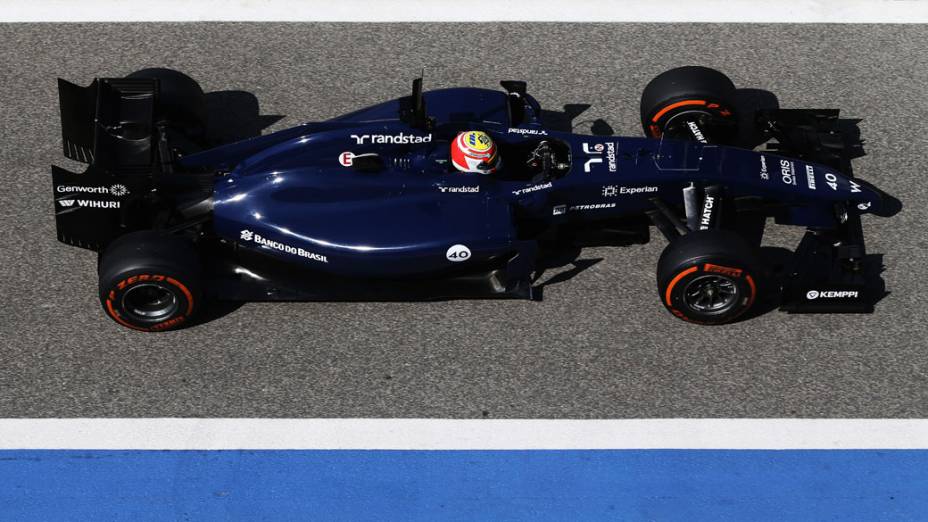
(599,344)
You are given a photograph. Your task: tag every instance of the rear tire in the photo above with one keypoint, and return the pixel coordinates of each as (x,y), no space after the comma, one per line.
(708,277)
(181,101)
(690,93)
(150,282)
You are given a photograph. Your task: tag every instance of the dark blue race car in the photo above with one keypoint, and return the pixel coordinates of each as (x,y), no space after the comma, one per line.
(372,205)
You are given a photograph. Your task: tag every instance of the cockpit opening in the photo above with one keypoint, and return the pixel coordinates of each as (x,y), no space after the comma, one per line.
(535,161)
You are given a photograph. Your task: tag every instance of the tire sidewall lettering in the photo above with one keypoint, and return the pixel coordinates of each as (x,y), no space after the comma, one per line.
(734,272)
(178,289)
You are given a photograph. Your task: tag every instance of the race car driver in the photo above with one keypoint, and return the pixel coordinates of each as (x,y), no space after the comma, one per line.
(474,152)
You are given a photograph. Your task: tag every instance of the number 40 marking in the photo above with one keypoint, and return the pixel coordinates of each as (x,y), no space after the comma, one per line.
(458,253)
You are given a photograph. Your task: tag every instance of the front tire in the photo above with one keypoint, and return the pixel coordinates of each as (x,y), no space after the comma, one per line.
(678,97)
(150,282)
(708,277)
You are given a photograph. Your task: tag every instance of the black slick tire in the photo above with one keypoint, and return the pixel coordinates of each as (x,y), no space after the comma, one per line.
(150,282)
(708,277)
(690,93)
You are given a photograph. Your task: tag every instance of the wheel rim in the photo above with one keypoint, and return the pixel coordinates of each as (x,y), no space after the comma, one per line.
(149,302)
(711,294)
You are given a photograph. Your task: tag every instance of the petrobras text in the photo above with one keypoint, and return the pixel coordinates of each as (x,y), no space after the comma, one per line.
(592,206)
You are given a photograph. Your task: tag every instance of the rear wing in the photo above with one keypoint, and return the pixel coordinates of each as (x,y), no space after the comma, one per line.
(110,126)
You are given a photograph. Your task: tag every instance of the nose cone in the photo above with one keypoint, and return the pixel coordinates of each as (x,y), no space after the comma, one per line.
(875,201)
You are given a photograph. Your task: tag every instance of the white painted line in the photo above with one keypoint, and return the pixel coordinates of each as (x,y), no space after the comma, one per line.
(448,434)
(751,11)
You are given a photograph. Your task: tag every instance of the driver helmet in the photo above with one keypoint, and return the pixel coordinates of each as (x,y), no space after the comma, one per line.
(474,151)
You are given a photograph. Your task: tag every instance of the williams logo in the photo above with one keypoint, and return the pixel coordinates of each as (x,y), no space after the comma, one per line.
(596,151)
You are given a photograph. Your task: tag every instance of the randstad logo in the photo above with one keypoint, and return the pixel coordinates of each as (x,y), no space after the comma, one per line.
(397,139)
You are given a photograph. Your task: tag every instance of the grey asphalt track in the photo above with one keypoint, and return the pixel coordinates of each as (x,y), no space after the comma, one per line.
(598,345)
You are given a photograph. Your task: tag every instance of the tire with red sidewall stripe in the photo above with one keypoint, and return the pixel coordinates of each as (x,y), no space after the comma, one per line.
(150,281)
(709,277)
(692,93)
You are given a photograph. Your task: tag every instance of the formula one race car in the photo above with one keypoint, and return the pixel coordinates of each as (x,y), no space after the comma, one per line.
(372,205)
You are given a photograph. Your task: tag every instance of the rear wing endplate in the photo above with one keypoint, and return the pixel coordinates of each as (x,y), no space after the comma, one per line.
(110,126)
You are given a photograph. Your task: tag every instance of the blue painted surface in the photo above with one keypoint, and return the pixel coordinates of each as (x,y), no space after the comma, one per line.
(399,216)
(464,485)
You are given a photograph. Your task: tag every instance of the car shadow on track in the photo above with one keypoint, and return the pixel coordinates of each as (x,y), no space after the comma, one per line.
(213,310)
(563,120)
(577,266)
(234,116)
(553,258)
(749,103)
